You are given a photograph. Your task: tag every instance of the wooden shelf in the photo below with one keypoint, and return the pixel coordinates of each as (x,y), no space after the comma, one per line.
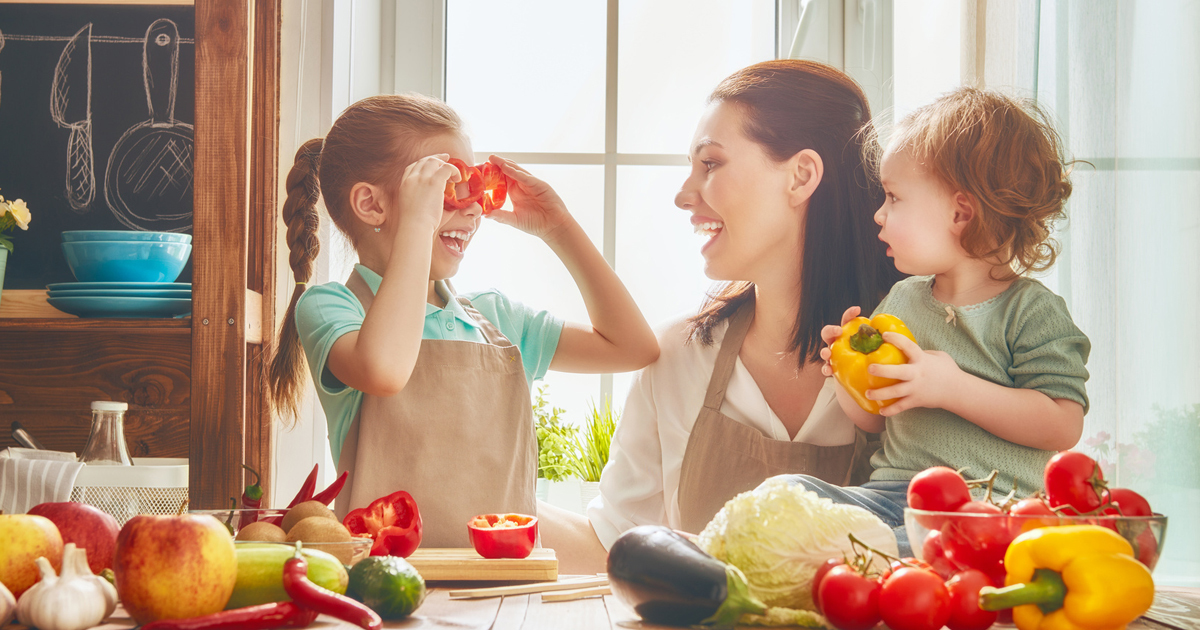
(30,324)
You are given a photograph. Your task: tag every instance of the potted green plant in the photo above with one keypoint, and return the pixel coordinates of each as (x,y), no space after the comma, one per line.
(555,441)
(590,452)
(12,214)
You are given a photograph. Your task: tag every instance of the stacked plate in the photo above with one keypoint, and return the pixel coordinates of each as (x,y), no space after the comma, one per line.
(124,274)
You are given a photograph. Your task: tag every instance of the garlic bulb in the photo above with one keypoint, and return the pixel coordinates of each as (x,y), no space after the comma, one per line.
(75,600)
(8,605)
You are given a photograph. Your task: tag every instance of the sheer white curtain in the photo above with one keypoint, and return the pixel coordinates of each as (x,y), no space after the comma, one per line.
(1122,78)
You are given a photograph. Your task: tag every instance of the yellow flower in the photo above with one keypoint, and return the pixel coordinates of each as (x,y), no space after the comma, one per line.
(20,213)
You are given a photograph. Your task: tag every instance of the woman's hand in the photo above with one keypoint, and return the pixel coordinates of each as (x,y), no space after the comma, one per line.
(931,378)
(537,209)
(422,189)
(830,334)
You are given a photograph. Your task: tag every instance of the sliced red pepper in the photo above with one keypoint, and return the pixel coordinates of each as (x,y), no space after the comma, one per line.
(474,181)
(495,187)
(503,535)
(327,495)
(392,521)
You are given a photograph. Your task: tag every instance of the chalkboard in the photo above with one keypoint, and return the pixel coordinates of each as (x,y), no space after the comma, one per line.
(96,109)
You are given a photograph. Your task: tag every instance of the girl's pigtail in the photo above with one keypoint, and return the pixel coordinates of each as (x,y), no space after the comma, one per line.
(285,372)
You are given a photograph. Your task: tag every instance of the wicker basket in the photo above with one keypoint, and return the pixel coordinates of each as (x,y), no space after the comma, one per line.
(153,485)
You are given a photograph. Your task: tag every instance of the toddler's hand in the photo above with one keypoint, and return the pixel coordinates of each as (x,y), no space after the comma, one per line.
(537,209)
(929,379)
(830,334)
(422,189)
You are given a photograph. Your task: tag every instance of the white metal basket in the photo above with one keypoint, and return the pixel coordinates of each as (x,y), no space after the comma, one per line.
(153,485)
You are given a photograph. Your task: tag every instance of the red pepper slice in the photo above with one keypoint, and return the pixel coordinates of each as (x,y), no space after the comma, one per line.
(393,521)
(474,181)
(503,535)
(308,595)
(495,186)
(261,617)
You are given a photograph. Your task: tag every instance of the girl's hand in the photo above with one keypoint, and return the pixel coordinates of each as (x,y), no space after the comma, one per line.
(537,209)
(422,189)
(930,378)
(830,334)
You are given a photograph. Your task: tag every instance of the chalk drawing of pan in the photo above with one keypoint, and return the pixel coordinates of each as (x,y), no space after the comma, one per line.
(148,182)
(71,108)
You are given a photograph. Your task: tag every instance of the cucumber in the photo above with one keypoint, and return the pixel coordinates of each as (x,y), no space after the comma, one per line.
(389,585)
(260,573)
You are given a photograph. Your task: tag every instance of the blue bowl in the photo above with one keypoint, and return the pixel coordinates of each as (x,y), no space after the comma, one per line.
(126,261)
(72,236)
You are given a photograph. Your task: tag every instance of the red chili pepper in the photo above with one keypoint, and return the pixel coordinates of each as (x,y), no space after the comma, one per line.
(327,495)
(393,521)
(495,186)
(261,617)
(474,181)
(305,494)
(307,594)
(251,498)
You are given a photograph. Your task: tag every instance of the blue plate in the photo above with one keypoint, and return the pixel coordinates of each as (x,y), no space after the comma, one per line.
(121,306)
(182,295)
(155,286)
(125,235)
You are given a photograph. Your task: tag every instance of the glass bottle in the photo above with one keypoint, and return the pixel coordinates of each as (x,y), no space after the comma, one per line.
(106,444)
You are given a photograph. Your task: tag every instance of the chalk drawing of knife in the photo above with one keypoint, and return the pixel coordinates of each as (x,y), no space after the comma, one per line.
(71,108)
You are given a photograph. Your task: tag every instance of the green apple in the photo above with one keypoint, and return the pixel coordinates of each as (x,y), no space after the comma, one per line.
(174,567)
(23,538)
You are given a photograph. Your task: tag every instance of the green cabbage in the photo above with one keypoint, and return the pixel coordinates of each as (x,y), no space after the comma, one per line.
(779,534)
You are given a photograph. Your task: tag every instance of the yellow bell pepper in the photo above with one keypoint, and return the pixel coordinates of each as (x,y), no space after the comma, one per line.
(860,345)
(1075,577)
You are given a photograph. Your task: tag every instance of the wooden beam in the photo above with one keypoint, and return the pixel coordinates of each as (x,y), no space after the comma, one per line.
(223,48)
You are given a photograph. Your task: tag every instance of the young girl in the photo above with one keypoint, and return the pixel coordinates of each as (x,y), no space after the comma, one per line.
(974,182)
(423,390)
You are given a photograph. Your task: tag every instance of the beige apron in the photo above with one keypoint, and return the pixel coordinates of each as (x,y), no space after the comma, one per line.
(459,437)
(725,457)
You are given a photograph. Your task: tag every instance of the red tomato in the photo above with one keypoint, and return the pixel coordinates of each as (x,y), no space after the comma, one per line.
(977,542)
(937,489)
(914,599)
(849,600)
(964,601)
(1145,548)
(1074,479)
(902,563)
(1032,513)
(935,555)
(1129,502)
(820,575)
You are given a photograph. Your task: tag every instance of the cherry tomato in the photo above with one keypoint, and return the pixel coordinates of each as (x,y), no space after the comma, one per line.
(977,542)
(848,599)
(1074,479)
(914,599)
(896,565)
(937,489)
(964,601)
(1032,513)
(820,575)
(935,555)
(1129,502)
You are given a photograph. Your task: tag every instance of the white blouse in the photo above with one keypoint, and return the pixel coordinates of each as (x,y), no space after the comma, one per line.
(640,484)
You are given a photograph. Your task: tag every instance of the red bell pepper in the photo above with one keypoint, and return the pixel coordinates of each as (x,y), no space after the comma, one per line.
(392,521)
(503,535)
(495,186)
(474,181)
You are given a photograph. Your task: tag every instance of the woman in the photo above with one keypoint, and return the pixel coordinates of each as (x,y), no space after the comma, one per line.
(781,187)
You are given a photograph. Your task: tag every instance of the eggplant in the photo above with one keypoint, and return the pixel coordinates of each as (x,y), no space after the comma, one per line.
(668,580)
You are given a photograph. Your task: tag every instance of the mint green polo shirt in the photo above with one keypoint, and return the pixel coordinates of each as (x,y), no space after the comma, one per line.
(328,311)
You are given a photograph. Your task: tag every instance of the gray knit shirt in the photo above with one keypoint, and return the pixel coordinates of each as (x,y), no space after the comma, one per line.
(1023,337)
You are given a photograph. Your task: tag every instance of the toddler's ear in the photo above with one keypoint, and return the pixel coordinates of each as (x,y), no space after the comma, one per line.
(964,211)
(366,202)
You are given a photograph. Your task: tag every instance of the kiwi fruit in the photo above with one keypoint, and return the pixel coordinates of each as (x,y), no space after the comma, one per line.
(306,510)
(261,531)
(315,530)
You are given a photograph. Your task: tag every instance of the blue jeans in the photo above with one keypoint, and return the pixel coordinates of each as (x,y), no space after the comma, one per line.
(885,499)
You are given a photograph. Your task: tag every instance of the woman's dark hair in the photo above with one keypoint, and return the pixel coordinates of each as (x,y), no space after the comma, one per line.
(790,105)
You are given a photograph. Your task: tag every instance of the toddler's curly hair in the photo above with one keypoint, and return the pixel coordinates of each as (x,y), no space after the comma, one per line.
(1005,154)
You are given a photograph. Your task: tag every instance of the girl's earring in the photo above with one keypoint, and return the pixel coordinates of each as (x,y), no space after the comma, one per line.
(376,229)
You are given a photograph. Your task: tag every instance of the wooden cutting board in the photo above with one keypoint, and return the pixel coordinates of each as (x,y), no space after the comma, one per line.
(467,564)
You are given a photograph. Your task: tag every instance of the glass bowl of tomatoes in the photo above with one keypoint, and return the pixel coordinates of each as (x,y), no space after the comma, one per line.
(955,541)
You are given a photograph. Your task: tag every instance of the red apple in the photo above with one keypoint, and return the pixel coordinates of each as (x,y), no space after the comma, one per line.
(174,567)
(23,538)
(87,527)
